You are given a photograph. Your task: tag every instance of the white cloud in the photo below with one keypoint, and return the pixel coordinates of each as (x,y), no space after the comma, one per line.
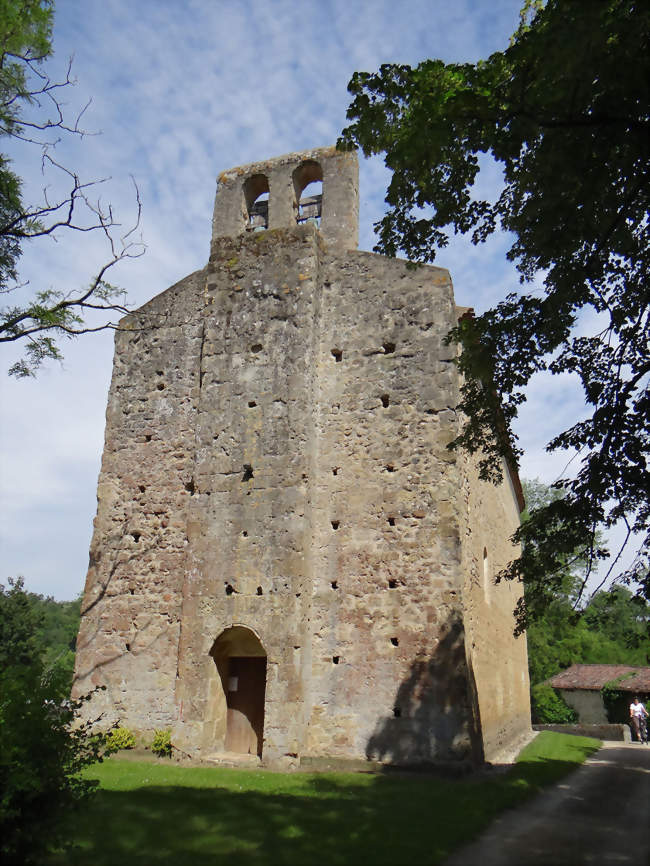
(182,91)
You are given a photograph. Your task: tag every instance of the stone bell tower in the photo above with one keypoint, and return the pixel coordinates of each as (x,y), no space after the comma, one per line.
(287,561)
(283,180)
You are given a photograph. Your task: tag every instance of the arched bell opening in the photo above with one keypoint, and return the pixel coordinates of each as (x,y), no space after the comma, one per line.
(308,191)
(240,660)
(256,202)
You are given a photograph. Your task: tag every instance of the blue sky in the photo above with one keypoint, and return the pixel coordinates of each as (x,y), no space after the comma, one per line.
(182,90)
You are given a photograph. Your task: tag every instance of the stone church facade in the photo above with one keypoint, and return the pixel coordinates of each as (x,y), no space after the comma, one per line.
(287,562)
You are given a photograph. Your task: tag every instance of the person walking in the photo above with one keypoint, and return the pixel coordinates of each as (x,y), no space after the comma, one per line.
(638,716)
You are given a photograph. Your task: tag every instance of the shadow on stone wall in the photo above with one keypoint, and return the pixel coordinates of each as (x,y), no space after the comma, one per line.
(435,712)
(87,636)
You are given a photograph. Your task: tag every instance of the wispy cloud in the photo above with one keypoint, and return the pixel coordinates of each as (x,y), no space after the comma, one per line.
(182,91)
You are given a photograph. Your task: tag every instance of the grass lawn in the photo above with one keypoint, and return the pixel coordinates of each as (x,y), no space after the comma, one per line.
(150,814)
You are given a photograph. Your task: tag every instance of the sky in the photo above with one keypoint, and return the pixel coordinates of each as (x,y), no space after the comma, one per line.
(180,91)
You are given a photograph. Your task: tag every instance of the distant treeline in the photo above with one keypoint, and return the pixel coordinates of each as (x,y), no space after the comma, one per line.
(55,625)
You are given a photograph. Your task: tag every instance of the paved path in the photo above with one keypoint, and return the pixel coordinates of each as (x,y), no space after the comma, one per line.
(597,815)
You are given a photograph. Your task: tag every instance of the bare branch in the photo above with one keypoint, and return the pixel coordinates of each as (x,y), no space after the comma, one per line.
(47,90)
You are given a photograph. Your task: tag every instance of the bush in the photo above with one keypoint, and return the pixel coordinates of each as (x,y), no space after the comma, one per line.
(43,746)
(548,708)
(120,738)
(162,744)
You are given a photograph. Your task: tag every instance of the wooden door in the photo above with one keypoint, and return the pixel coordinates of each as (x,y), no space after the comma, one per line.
(245,696)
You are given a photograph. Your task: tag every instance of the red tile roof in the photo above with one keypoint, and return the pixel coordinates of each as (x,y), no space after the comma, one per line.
(595,676)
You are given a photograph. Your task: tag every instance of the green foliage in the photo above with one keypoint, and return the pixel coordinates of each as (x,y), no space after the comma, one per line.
(560,639)
(612,696)
(58,636)
(162,744)
(25,34)
(611,629)
(548,708)
(615,700)
(10,211)
(120,738)
(566,582)
(50,629)
(25,37)
(19,621)
(564,114)
(623,619)
(44,747)
(562,636)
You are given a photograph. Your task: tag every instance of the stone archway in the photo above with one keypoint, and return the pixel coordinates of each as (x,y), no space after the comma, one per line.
(240,659)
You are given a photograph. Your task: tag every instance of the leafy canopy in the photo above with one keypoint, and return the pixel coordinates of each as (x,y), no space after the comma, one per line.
(25,37)
(564,112)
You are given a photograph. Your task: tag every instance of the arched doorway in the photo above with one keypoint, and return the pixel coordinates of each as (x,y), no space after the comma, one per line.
(241,663)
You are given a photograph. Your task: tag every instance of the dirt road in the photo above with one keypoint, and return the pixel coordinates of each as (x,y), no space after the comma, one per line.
(598,815)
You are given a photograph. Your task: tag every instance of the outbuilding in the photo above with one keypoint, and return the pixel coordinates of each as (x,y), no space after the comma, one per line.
(581,686)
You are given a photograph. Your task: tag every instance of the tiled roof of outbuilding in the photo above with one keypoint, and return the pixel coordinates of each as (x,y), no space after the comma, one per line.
(594,677)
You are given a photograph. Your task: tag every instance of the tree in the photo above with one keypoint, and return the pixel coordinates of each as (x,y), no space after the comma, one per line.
(32,114)
(622,619)
(44,747)
(569,574)
(51,629)
(611,629)
(564,113)
(58,634)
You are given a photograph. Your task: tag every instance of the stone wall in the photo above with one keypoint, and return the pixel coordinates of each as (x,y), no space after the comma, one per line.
(498,661)
(388,676)
(341,551)
(131,611)
(249,523)
(588,704)
(598,731)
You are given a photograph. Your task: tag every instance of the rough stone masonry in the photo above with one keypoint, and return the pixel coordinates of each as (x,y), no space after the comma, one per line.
(287,562)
